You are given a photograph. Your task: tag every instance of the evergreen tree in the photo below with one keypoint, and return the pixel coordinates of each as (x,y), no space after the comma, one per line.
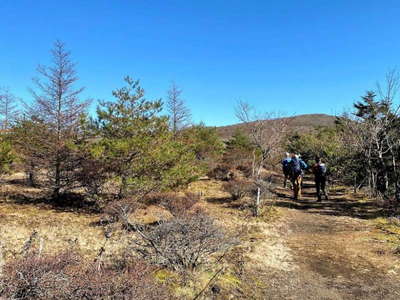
(136,146)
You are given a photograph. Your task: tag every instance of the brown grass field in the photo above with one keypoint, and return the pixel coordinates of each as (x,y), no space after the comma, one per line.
(338,249)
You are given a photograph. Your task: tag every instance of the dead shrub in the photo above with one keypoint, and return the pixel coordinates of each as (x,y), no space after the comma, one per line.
(119,211)
(38,276)
(221,172)
(66,275)
(246,170)
(176,204)
(133,281)
(184,242)
(239,188)
(180,204)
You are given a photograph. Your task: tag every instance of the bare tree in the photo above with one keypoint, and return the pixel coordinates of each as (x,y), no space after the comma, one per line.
(373,131)
(390,123)
(58,108)
(8,108)
(266,132)
(180,116)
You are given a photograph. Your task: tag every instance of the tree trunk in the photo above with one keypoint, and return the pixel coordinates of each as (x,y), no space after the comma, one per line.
(396,176)
(57,180)
(257,206)
(355,185)
(31,179)
(31,175)
(122,189)
(258,198)
(384,174)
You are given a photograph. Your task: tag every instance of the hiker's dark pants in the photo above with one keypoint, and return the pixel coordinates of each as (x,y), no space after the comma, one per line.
(320,184)
(286,174)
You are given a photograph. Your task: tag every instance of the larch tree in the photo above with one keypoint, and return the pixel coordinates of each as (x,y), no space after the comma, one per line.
(58,109)
(8,114)
(179,114)
(8,108)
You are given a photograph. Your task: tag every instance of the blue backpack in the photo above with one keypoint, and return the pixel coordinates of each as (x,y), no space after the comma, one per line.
(286,164)
(295,167)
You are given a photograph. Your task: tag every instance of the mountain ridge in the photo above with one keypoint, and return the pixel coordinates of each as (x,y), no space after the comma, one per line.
(303,122)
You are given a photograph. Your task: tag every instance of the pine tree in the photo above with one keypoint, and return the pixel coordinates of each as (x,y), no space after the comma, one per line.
(136,146)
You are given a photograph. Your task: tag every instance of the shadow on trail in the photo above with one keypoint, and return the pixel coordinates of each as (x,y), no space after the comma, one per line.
(339,204)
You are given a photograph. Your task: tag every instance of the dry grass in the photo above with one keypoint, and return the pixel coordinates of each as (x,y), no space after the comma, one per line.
(57,228)
(274,251)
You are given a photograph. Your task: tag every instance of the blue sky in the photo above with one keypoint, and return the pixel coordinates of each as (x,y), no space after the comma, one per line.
(309,56)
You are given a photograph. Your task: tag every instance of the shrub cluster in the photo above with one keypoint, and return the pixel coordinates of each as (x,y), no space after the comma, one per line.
(66,275)
(221,172)
(246,169)
(177,204)
(239,188)
(184,242)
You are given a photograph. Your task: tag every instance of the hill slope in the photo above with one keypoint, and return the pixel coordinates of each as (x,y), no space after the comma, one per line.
(296,123)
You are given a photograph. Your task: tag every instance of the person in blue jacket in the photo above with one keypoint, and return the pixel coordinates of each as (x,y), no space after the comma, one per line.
(297,167)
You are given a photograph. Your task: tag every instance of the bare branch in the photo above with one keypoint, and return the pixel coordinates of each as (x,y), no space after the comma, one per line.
(180,116)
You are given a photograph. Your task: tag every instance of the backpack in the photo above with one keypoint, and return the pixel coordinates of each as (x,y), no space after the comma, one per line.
(286,164)
(320,170)
(295,167)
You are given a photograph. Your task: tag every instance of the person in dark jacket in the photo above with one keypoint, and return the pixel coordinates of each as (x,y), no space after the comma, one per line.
(319,170)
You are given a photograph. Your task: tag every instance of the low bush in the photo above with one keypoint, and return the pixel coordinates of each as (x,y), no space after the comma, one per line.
(221,172)
(135,281)
(176,204)
(119,210)
(38,276)
(247,170)
(239,188)
(184,242)
(67,275)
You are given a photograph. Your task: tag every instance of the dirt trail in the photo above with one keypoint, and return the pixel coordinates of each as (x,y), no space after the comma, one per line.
(332,252)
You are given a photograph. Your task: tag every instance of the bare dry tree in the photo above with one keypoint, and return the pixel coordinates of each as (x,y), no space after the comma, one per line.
(375,135)
(8,108)
(58,107)
(354,138)
(180,116)
(267,132)
(390,123)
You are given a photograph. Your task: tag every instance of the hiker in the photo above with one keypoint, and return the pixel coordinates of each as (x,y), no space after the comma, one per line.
(297,166)
(286,168)
(319,169)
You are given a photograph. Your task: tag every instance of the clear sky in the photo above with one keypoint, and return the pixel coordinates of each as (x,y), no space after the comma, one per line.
(292,56)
